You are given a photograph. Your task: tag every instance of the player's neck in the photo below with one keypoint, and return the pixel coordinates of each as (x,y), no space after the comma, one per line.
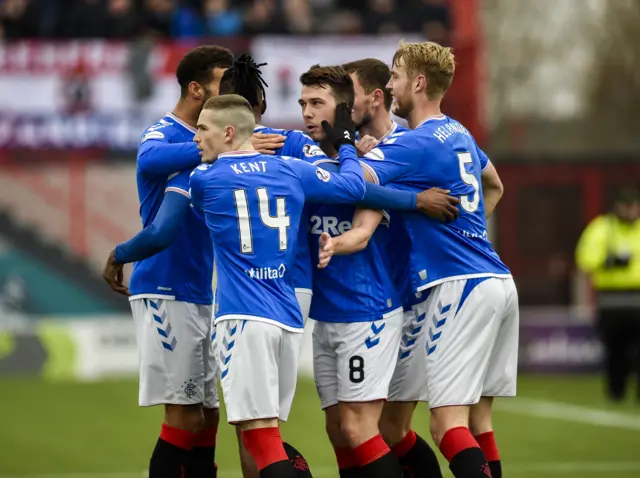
(186,113)
(379,127)
(423,112)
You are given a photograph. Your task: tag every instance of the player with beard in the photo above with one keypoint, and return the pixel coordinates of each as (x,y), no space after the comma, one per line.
(472,309)
(170,292)
(371,113)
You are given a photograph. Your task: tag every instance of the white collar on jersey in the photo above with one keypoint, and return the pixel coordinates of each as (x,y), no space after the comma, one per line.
(394,127)
(431,118)
(238,154)
(181,123)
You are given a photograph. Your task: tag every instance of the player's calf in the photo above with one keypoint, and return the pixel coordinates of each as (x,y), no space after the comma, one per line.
(263,442)
(359,425)
(450,431)
(203,454)
(347,463)
(179,433)
(481,426)
(416,457)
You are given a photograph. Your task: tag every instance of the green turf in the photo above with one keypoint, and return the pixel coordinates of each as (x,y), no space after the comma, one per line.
(50,428)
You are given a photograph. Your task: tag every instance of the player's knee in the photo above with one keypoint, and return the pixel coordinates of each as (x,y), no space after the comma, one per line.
(358,427)
(185,417)
(445,418)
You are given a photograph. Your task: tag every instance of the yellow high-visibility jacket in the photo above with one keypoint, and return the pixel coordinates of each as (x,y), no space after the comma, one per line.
(605,235)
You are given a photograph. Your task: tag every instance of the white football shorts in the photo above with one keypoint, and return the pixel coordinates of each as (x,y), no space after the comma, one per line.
(259,369)
(472,341)
(354,361)
(409,381)
(177,359)
(304,297)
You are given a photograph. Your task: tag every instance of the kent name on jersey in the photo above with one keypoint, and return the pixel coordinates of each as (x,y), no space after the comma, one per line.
(252,205)
(183,271)
(441,153)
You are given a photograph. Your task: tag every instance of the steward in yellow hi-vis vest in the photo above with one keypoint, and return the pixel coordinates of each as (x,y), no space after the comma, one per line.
(609,252)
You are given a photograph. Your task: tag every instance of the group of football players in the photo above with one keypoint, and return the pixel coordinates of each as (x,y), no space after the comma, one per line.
(374,231)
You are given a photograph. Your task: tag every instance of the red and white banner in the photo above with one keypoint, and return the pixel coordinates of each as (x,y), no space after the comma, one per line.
(82,94)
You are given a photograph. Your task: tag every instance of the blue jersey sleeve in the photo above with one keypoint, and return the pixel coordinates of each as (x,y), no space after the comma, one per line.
(197,186)
(484,159)
(380,197)
(391,161)
(158,235)
(158,157)
(319,185)
(301,146)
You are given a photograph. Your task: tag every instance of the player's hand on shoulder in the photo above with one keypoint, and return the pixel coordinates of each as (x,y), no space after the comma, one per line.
(343,130)
(366,144)
(267,143)
(113,274)
(437,203)
(326,250)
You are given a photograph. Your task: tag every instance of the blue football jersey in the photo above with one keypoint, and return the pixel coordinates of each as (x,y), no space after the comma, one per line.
(253,204)
(299,145)
(441,153)
(394,242)
(355,287)
(184,270)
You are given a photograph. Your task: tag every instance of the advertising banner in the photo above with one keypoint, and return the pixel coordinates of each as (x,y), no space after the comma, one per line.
(559,347)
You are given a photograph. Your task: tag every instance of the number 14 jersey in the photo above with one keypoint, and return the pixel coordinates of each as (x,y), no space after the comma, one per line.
(252,205)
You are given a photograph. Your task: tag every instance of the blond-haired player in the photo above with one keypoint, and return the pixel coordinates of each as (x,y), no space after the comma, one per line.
(471,315)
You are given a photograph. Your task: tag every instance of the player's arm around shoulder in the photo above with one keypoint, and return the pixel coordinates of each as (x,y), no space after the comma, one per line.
(364,224)
(319,185)
(158,155)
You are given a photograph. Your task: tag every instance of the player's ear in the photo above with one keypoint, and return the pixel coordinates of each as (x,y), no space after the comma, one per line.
(420,83)
(264,107)
(229,134)
(196,91)
(378,97)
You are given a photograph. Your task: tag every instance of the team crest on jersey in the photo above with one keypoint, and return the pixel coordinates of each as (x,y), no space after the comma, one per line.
(323,175)
(375,154)
(311,150)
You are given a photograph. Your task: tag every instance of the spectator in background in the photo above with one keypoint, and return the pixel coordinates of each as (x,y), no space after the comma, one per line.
(158,16)
(13,18)
(431,18)
(122,21)
(609,252)
(382,16)
(187,20)
(221,19)
(265,16)
(86,19)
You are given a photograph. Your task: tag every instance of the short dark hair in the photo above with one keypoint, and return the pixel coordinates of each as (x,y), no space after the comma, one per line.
(197,64)
(373,74)
(335,77)
(244,78)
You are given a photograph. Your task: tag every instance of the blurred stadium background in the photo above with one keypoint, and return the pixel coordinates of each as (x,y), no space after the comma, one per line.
(551,89)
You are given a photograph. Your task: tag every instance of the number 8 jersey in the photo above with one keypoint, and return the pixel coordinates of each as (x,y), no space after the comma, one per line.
(441,153)
(252,205)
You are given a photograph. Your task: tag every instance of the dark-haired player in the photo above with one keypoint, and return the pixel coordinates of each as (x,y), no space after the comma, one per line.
(170,292)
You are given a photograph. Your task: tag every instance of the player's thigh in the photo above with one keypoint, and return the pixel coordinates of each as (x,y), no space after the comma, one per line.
(249,358)
(211,369)
(463,318)
(502,371)
(409,381)
(288,370)
(325,363)
(170,337)
(366,354)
